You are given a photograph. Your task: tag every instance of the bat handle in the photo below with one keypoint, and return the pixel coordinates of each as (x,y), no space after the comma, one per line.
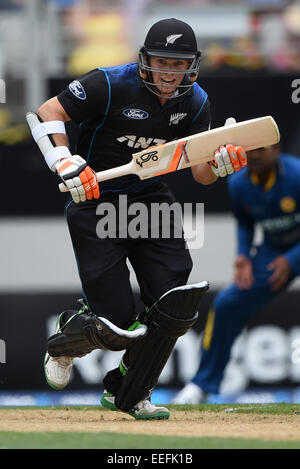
(230,121)
(107,174)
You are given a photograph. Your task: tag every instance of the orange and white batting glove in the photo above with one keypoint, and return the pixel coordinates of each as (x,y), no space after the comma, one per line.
(228,159)
(79,178)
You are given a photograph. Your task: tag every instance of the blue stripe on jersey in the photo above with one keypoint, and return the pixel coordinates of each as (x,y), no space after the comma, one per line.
(67,206)
(105,115)
(202,98)
(200,109)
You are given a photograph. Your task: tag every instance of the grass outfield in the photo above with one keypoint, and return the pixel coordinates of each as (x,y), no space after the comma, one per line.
(116,440)
(275,409)
(76,440)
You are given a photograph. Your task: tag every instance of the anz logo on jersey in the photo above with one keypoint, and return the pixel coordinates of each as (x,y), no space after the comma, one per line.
(140,142)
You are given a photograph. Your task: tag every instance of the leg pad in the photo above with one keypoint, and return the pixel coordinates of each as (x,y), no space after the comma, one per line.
(168,319)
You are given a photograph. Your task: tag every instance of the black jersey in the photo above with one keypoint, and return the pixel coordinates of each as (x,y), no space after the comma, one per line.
(119,116)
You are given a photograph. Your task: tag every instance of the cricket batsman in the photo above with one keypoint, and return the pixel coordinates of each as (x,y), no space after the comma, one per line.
(121,110)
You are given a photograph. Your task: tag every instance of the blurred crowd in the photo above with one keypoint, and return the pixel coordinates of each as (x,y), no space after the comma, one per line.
(261,33)
(270,39)
(66,38)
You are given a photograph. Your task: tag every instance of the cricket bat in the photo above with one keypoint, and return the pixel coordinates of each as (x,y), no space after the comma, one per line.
(192,150)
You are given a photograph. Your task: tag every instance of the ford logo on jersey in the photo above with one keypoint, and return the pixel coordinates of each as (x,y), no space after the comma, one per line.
(135,114)
(77,89)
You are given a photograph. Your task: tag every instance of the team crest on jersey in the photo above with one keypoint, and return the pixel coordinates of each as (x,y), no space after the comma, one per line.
(135,114)
(77,89)
(176,118)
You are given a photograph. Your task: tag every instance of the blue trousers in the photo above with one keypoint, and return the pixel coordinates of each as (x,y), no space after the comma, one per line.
(231,311)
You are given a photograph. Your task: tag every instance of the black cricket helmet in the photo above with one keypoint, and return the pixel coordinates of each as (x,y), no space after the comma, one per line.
(171,39)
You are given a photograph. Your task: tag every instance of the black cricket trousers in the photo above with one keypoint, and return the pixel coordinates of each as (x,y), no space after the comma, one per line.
(160,263)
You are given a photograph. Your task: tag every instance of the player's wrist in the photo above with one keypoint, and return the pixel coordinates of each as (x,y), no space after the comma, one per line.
(75,161)
(241,259)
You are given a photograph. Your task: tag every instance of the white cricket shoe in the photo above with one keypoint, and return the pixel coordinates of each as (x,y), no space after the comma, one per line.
(57,371)
(144,410)
(190,394)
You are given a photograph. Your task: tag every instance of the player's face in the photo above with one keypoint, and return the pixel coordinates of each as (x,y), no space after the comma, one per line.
(168,78)
(262,159)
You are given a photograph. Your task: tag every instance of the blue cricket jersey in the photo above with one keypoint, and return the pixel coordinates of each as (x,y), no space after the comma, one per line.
(119,116)
(275,208)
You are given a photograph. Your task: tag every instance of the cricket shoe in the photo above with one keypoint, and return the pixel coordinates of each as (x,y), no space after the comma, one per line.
(190,394)
(57,369)
(144,410)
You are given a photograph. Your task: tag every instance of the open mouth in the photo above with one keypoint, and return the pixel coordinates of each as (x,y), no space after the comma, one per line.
(168,82)
(168,86)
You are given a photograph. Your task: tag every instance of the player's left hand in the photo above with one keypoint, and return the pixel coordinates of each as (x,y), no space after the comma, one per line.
(228,159)
(281,272)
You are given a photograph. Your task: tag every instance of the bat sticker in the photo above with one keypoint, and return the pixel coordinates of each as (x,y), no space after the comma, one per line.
(184,152)
(152,155)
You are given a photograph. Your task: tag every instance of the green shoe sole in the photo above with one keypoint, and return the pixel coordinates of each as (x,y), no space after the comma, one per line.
(107,403)
(158,416)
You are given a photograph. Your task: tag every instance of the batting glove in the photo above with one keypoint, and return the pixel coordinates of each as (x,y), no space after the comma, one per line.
(79,178)
(228,158)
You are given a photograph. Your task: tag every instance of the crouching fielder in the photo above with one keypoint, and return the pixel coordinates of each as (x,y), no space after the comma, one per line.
(121,110)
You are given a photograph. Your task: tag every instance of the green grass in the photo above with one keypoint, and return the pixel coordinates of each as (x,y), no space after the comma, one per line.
(100,440)
(89,440)
(275,409)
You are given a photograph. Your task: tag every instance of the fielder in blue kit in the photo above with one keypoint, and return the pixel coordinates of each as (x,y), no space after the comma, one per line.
(120,111)
(266,194)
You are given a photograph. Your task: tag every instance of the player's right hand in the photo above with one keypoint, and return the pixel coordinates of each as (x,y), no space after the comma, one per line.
(243,272)
(281,272)
(79,178)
